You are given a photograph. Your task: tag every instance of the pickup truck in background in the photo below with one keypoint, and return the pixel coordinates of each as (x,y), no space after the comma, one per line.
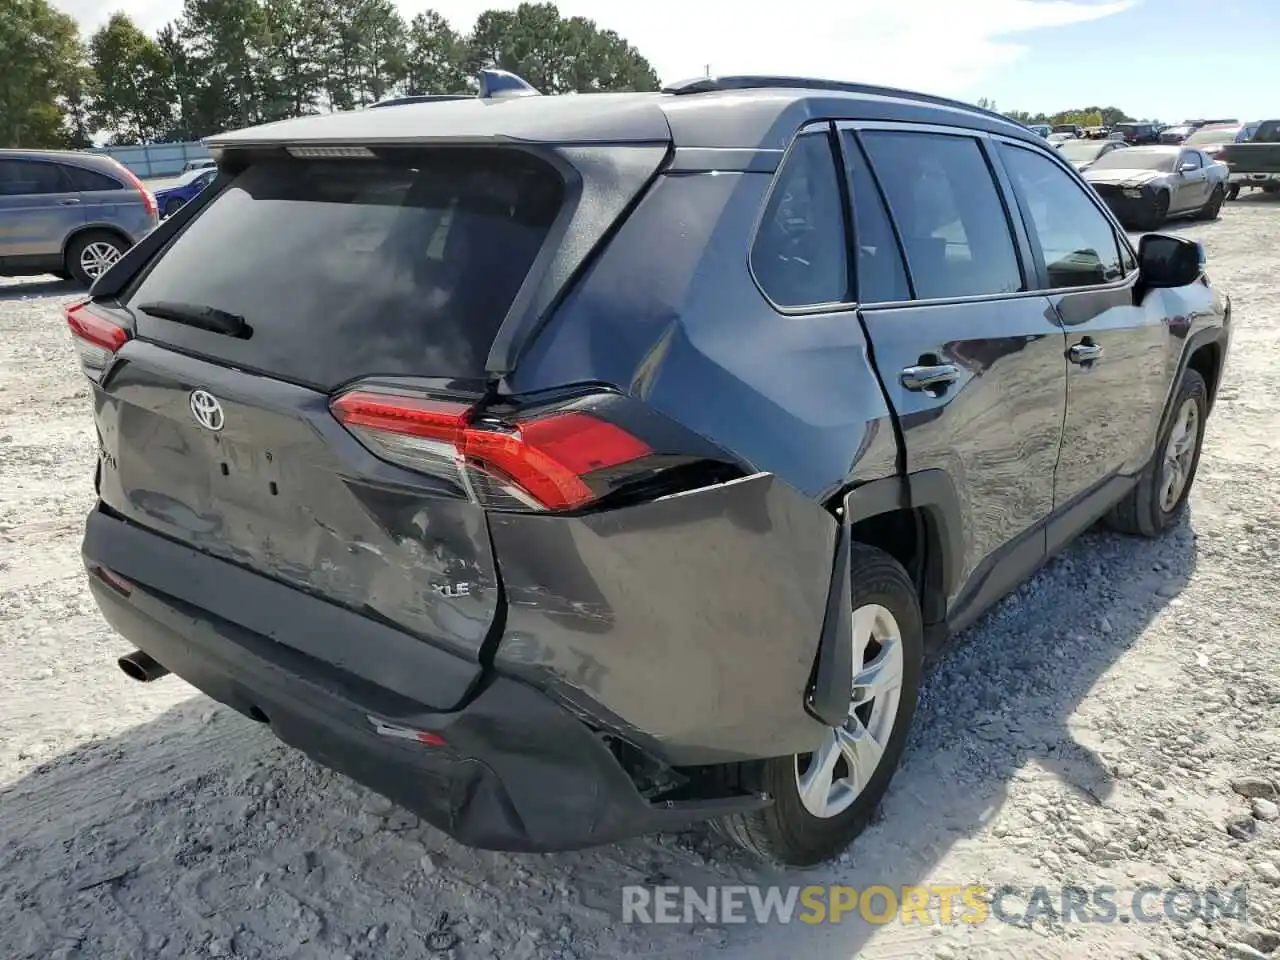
(1254,163)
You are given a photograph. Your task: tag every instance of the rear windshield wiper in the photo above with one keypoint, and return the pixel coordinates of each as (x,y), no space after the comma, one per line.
(198,315)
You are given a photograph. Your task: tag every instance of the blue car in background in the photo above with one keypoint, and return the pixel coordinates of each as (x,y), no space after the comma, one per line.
(171,199)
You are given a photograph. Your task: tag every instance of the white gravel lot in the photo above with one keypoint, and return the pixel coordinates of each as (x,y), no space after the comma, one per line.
(1088,731)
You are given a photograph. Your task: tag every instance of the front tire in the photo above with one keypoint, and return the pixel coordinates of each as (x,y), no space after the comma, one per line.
(1234,192)
(1160,495)
(824,799)
(173,206)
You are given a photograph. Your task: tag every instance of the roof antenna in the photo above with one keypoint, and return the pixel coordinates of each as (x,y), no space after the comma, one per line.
(498,84)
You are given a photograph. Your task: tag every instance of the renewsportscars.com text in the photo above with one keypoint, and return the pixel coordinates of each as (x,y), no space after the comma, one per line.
(933,904)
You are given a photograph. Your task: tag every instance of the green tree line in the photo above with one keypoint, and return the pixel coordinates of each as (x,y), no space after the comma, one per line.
(225,64)
(1084,116)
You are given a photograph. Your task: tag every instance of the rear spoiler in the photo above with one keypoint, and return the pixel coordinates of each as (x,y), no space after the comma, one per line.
(491,84)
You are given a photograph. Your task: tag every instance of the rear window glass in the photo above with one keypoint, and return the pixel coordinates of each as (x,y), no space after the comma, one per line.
(800,255)
(404,265)
(90,180)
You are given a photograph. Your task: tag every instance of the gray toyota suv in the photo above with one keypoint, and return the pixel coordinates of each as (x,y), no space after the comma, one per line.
(570,467)
(69,214)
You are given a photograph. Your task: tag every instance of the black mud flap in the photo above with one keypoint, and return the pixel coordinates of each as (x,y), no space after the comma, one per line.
(832,687)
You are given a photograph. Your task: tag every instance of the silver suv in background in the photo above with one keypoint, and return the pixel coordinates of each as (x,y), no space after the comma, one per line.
(69,214)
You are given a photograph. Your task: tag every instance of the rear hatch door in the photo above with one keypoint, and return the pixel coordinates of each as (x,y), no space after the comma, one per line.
(319,274)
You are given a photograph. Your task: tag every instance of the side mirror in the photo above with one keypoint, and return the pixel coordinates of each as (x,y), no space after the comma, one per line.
(1188,167)
(1165,261)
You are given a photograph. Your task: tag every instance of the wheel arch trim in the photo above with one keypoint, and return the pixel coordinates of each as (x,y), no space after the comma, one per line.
(1218,335)
(94,227)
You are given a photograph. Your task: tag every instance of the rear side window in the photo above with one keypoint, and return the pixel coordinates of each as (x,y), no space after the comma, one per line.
(1076,239)
(407,264)
(20,178)
(953,224)
(800,255)
(90,180)
(881,275)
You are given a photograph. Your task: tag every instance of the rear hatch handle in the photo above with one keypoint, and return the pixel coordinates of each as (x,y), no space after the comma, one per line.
(201,316)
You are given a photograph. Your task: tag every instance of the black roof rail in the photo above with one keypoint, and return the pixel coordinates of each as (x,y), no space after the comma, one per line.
(758,82)
(420,98)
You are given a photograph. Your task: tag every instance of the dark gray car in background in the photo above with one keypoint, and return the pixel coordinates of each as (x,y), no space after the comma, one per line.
(69,214)
(571,467)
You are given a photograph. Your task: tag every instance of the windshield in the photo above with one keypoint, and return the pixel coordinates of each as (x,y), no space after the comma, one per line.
(1079,150)
(1135,158)
(1222,135)
(1065,128)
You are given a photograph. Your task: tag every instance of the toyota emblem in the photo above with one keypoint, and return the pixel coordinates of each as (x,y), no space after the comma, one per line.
(207,410)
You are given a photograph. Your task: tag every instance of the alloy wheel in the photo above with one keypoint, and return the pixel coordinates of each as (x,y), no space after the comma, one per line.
(96,257)
(830,779)
(1179,453)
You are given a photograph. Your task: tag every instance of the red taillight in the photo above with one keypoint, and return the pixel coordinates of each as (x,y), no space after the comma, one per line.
(541,461)
(148,198)
(96,337)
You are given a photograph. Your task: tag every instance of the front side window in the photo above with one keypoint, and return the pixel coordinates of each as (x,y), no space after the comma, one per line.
(945,203)
(1076,241)
(800,255)
(1192,158)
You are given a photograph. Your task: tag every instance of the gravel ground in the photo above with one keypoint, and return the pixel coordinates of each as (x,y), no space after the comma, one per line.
(1114,722)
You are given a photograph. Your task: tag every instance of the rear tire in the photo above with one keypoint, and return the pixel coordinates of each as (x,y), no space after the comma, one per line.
(883,598)
(1270,187)
(91,253)
(1151,507)
(1213,208)
(1234,192)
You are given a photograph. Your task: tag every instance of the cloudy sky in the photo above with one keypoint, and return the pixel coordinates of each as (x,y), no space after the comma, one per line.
(1167,59)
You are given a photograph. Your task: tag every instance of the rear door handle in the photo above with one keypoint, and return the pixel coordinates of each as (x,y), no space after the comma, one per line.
(930,377)
(1084,353)
(69,202)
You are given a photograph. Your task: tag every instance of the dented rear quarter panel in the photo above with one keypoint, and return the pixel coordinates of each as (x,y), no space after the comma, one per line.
(689,623)
(692,617)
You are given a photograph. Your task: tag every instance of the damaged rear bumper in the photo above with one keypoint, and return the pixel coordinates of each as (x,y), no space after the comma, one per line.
(510,770)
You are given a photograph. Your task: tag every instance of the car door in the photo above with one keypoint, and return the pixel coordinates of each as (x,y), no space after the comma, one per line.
(1191,183)
(101,196)
(1116,347)
(38,208)
(972,363)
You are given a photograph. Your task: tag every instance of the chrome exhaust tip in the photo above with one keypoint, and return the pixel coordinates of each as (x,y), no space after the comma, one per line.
(141,667)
